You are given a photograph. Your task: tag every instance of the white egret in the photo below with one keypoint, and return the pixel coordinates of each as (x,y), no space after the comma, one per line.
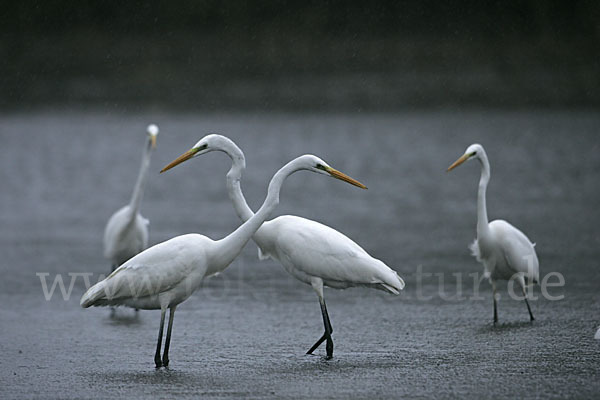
(311,252)
(166,274)
(505,252)
(126,233)
(597,336)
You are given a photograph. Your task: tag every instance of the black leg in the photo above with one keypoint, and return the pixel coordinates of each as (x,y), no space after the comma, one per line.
(326,335)
(157,361)
(327,316)
(165,359)
(317,344)
(495,312)
(112,269)
(495,303)
(528,308)
(328,331)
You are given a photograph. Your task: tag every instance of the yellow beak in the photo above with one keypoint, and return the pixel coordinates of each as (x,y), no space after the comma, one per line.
(153,141)
(341,176)
(184,157)
(333,172)
(456,163)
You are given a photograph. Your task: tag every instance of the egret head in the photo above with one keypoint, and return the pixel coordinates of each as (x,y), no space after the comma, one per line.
(315,164)
(473,151)
(152,131)
(208,143)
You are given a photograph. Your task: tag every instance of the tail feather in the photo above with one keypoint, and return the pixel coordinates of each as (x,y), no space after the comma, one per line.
(400,281)
(93,295)
(395,284)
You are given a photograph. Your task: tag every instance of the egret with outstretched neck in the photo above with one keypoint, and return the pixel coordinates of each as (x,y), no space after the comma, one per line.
(166,274)
(310,251)
(126,233)
(505,252)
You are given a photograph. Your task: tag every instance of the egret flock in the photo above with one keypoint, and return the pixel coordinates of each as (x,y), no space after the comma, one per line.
(166,274)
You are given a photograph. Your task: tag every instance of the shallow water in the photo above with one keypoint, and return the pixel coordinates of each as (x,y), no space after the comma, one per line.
(245,332)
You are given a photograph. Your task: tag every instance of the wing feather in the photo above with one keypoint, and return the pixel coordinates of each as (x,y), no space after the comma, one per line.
(320,251)
(154,271)
(517,249)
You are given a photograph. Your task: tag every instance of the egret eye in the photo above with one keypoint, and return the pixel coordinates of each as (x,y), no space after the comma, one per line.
(321,167)
(203,147)
(473,154)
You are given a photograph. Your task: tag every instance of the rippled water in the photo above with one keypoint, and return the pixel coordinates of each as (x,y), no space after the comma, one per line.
(245,333)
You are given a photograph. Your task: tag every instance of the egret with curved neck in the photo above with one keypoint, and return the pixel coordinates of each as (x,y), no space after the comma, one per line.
(311,252)
(505,252)
(126,233)
(168,273)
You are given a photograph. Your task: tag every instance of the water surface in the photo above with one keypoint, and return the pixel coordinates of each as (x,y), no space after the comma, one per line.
(245,332)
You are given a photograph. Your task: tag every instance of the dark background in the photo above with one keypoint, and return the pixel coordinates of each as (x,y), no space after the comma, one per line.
(296,55)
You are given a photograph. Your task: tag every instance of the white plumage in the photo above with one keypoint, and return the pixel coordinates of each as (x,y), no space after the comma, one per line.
(166,274)
(155,278)
(126,233)
(510,252)
(310,251)
(505,252)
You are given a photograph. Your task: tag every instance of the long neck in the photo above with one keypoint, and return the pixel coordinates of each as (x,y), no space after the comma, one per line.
(138,190)
(482,217)
(233,182)
(229,247)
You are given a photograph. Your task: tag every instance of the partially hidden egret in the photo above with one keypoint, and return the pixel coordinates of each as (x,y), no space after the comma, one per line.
(310,251)
(126,233)
(505,252)
(166,274)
